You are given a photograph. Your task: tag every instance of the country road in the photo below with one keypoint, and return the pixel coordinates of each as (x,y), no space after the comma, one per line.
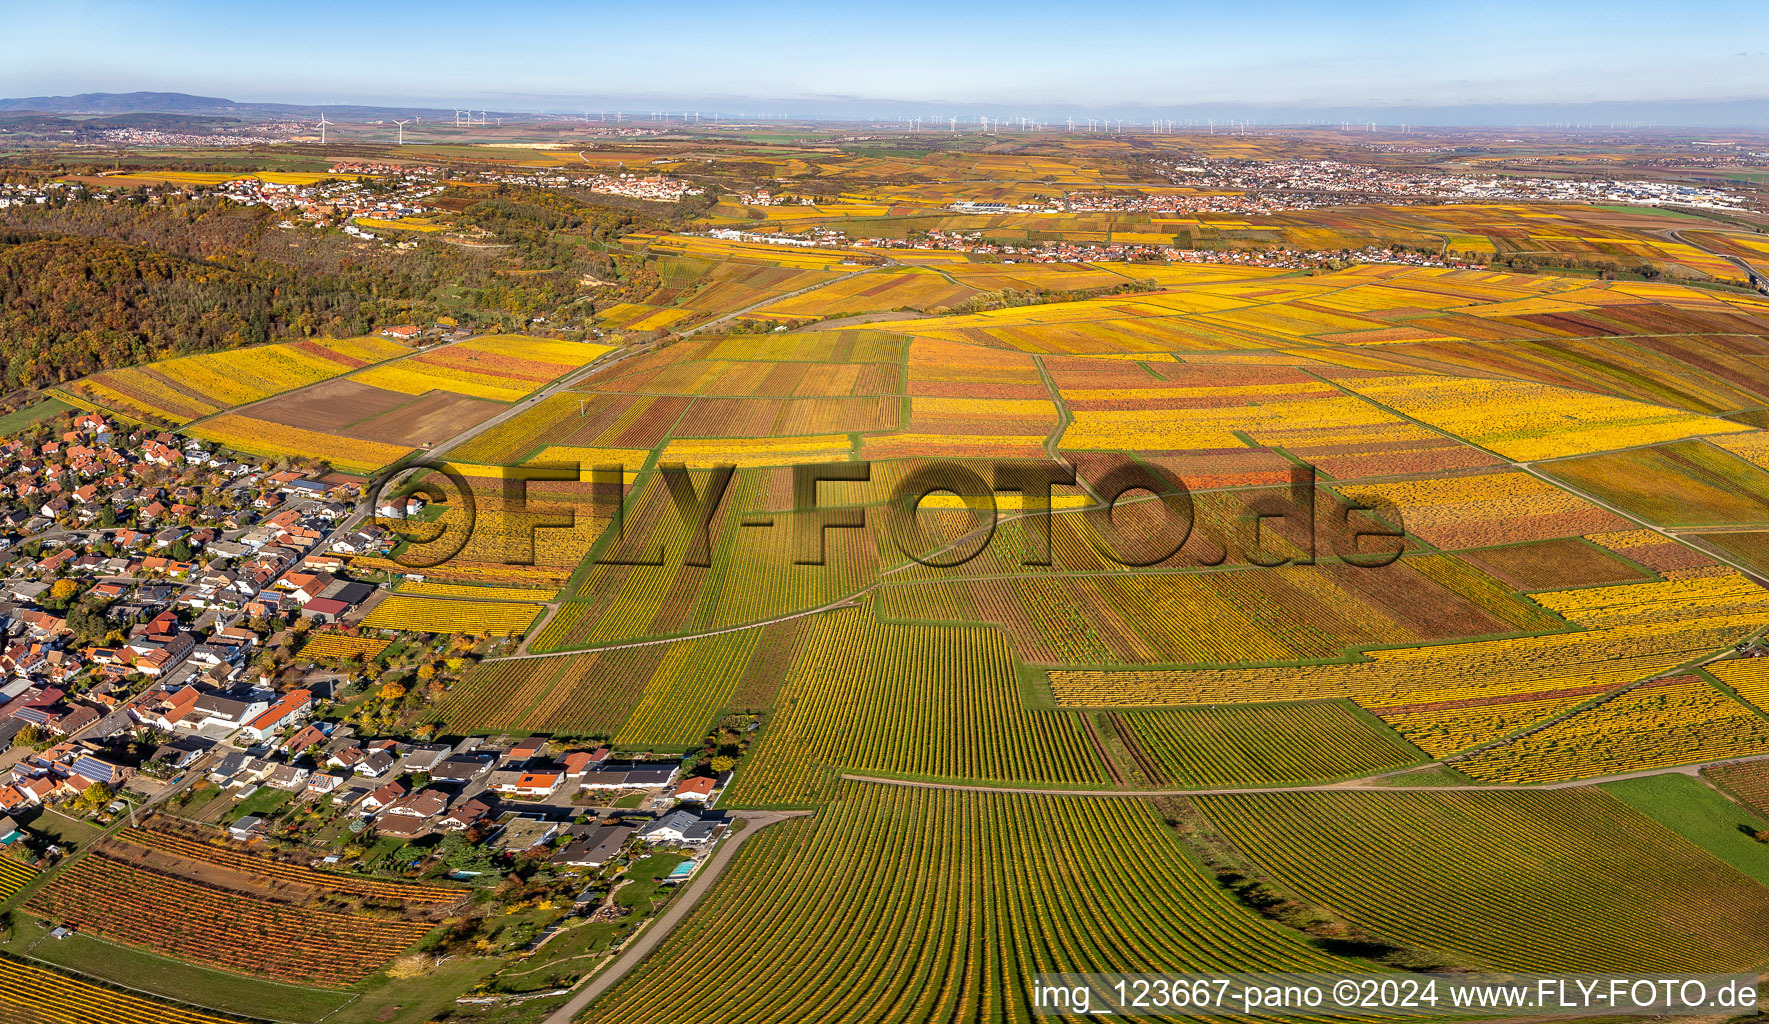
(659,929)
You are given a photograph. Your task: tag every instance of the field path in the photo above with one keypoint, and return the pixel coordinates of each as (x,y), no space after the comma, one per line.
(1692,541)
(888,262)
(648,939)
(1362,785)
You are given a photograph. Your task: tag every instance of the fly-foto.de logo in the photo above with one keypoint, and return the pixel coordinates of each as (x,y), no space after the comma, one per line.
(941,514)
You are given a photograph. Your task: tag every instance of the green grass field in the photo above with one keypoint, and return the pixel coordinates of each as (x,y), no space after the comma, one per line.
(1701,815)
(36,412)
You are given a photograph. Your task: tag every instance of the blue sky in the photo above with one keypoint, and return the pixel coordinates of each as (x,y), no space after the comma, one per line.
(522,54)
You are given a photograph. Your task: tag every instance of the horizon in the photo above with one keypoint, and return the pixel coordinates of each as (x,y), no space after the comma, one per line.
(986,59)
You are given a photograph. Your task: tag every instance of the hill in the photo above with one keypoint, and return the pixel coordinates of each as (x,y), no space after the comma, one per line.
(102,103)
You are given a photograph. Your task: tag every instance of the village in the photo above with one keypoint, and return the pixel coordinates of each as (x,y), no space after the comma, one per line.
(156,596)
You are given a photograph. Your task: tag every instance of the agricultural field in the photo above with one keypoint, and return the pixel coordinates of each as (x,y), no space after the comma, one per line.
(1555,565)
(13,877)
(176,391)
(1569,881)
(264,438)
(1747,782)
(233,858)
(451,615)
(1701,814)
(326,644)
(32,994)
(828,917)
(218,927)
(359,404)
(1454,664)
(1747,677)
(502,368)
(857,700)
(1259,744)
(1665,722)
(1449,697)
(1689,483)
(653,696)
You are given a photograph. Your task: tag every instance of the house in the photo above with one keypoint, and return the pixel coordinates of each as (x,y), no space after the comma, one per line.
(291,709)
(304,740)
(247,828)
(579,762)
(411,816)
(288,778)
(696,791)
(37,790)
(228,767)
(525,784)
(595,849)
(385,796)
(680,826)
(424,804)
(526,749)
(348,756)
(321,783)
(324,609)
(461,768)
(376,764)
(469,813)
(232,709)
(99,770)
(629,778)
(423,758)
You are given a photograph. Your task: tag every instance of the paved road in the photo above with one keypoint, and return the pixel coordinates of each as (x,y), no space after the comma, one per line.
(1756,279)
(655,932)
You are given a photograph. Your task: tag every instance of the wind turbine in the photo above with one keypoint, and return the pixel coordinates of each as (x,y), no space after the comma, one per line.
(481,116)
(458,112)
(402,125)
(322,127)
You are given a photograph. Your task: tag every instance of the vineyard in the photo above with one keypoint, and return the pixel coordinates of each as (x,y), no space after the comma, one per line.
(1448,697)
(233,858)
(664,695)
(432,588)
(279,441)
(1748,782)
(328,644)
(13,877)
(220,928)
(1565,881)
(1555,565)
(1526,420)
(902,904)
(1259,744)
(1677,720)
(1690,483)
(499,367)
(32,995)
(445,615)
(187,387)
(939,702)
(1747,677)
